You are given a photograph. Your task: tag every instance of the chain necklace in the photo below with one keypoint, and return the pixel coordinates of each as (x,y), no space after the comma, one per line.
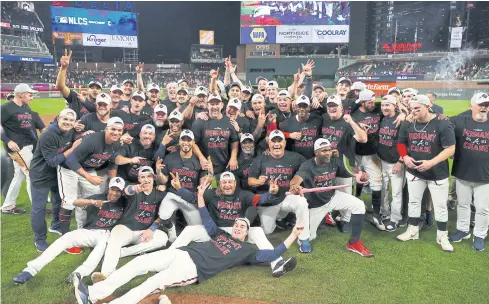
(422,130)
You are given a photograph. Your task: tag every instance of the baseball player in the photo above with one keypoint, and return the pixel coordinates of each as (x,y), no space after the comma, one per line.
(272,92)
(171,101)
(283,111)
(54,147)
(196,106)
(135,118)
(246,156)
(138,225)
(257,123)
(84,171)
(225,205)
(168,139)
(103,212)
(280,165)
(182,98)
(234,90)
(471,168)
(97,121)
(425,145)
(343,86)
(233,110)
(160,121)
(128,89)
(189,264)
(115,95)
(320,171)
(19,137)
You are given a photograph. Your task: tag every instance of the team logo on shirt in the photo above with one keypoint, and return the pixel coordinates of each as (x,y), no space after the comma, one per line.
(476,140)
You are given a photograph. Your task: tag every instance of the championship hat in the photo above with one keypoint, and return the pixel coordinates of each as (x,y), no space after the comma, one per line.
(117,182)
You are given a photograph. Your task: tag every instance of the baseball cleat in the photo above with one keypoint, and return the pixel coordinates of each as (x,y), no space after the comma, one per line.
(71,278)
(22,277)
(442,239)
(74,250)
(283,267)
(451,204)
(41,245)
(458,236)
(304,246)
(343,227)
(359,248)
(391,227)
(81,291)
(172,234)
(163,299)
(55,230)
(14,211)
(478,244)
(377,223)
(329,220)
(412,233)
(97,277)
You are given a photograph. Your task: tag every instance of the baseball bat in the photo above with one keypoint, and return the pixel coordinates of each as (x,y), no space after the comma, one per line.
(320,189)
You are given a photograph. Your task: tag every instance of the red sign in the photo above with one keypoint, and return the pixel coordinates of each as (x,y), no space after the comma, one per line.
(380,88)
(401,47)
(5,24)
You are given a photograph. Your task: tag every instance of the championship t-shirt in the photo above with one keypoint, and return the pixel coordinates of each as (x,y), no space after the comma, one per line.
(17,124)
(129,172)
(340,134)
(388,133)
(225,209)
(92,123)
(80,107)
(132,122)
(372,121)
(141,209)
(310,131)
(188,169)
(244,164)
(105,217)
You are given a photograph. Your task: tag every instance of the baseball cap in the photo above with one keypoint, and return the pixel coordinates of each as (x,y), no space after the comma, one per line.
(187,133)
(235,84)
(358,85)
(176,115)
(115,120)
(365,95)
(247,89)
(103,97)
(333,99)
(421,99)
(93,82)
(140,94)
(10,95)
(24,88)
(148,126)
(410,90)
(182,90)
(227,176)
(200,91)
(145,169)
(115,88)
(181,81)
(67,113)
(479,98)
(302,99)
(234,102)
(389,99)
(127,81)
(117,182)
(260,78)
(344,79)
(257,96)
(394,89)
(160,108)
(244,219)
(153,86)
(321,143)
(272,84)
(284,93)
(220,85)
(318,86)
(276,133)
(214,97)
(246,136)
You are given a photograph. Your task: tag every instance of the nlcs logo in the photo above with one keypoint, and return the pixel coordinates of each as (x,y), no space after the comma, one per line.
(258,35)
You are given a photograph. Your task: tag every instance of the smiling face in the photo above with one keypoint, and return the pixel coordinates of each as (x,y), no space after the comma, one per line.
(182,97)
(232,112)
(283,103)
(406,98)
(146,179)
(147,137)
(171,88)
(186,144)
(240,230)
(369,105)
(128,88)
(419,111)
(248,146)
(388,109)
(154,95)
(66,123)
(277,147)
(116,96)
(114,194)
(258,105)
(318,92)
(343,88)
(245,96)
(215,107)
(113,133)
(103,109)
(227,186)
(93,91)
(262,85)
(159,118)
(272,92)
(323,155)
(479,111)
(334,111)
(302,110)
(175,125)
(201,101)
(234,92)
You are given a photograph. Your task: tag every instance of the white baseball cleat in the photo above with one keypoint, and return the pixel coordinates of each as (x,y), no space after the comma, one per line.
(172,234)
(164,300)
(442,239)
(412,233)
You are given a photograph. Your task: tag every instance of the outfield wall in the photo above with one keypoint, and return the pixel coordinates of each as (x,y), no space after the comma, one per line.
(453,90)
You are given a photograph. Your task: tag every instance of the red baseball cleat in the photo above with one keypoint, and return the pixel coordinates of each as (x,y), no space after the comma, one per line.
(329,220)
(74,250)
(359,248)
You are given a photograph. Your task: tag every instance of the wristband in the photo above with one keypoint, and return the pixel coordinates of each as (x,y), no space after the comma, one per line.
(154,226)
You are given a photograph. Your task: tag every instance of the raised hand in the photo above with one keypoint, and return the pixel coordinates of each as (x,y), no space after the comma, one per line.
(65,60)
(214,73)
(159,165)
(175,181)
(273,186)
(140,67)
(307,68)
(201,189)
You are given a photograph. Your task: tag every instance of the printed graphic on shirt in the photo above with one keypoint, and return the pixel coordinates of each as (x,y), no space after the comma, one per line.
(225,244)
(108,218)
(475,140)
(97,160)
(145,212)
(25,120)
(421,142)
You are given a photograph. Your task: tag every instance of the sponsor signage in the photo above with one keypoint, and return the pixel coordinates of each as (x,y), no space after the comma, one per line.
(26,27)
(330,34)
(110,40)
(206,37)
(386,77)
(262,50)
(456,37)
(5,24)
(294,34)
(380,88)
(402,47)
(26,59)
(255,35)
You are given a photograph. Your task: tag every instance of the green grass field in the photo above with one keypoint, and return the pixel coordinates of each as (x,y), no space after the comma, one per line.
(412,272)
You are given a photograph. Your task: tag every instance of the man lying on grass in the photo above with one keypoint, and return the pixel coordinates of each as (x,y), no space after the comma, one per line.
(186,265)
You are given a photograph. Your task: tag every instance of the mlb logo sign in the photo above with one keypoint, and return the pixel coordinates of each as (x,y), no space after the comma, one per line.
(60,19)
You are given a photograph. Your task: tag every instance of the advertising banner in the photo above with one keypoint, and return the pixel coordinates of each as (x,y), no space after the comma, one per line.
(262,50)
(456,37)
(69,38)
(26,27)
(5,24)
(26,59)
(386,77)
(294,34)
(380,88)
(110,40)
(254,35)
(206,37)
(330,34)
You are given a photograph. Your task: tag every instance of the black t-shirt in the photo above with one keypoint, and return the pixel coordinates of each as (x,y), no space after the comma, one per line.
(284,168)
(129,172)
(226,209)
(471,160)
(310,130)
(173,143)
(388,133)
(372,120)
(105,217)
(52,143)
(141,209)
(92,123)
(427,144)
(437,109)
(340,135)
(214,138)
(282,116)
(37,121)
(93,153)
(17,124)
(188,169)
(253,125)
(314,176)
(349,105)
(244,124)
(220,253)
(76,104)
(241,173)
(132,122)
(147,110)
(188,122)
(170,105)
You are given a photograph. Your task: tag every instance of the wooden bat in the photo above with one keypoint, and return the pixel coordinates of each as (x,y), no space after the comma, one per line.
(320,189)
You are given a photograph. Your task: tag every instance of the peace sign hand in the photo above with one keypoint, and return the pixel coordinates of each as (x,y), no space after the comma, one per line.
(159,165)
(175,181)
(65,60)
(273,186)
(139,68)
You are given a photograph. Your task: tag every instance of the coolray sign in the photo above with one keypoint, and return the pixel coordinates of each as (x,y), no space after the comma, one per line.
(294,34)
(110,40)
(330,34)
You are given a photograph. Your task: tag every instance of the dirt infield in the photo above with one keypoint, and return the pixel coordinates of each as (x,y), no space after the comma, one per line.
(194,299)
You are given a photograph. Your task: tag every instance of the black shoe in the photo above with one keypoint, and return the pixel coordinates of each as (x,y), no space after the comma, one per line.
(81,291)
(283,267)
(22,277)
(71,278)
(451,204)
(14,211)
(403,223)
(391,227)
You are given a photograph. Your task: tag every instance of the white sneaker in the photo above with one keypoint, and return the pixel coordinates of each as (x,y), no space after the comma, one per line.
(377,223)
(412,233)
(442,239)
(172,234)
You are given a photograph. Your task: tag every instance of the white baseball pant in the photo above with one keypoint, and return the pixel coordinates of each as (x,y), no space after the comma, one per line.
(480,192)
(197,233)
(392,209)
(174,268)
(19,176)
(345,214)
(72,186)
(96,239)
(371,165)
(121,236)
(341,202)
(292,203)
(439,194)
(172,203)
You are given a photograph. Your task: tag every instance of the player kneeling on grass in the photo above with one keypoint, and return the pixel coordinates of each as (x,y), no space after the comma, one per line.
(321,171)
(225,205)
(103,213)
(186,265)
